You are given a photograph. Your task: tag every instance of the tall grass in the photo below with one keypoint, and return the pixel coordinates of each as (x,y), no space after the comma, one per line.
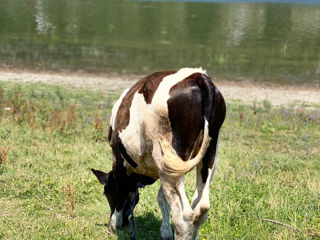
(267,184)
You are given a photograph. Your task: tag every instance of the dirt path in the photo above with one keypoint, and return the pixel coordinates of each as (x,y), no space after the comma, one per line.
(233,92)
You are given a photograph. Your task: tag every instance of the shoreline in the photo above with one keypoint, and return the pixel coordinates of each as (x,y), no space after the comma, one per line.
(243,92)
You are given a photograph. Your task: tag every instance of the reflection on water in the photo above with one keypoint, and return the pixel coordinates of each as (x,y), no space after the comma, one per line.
(261,41)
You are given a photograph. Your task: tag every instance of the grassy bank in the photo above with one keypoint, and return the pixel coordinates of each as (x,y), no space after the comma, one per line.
(50,137)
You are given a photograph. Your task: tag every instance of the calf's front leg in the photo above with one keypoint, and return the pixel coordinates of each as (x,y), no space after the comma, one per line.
(165,230)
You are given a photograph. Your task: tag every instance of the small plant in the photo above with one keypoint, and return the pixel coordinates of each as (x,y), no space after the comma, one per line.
(71,116)
(1,99)
(266,105)
(3,155)
(241,116)
(267,128)
(59,95)
(99,133)
(57,120)
(70,199)
(31,114)
(14,104)
(97,123)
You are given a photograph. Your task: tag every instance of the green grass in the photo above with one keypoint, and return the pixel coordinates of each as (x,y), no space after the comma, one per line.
(269,168)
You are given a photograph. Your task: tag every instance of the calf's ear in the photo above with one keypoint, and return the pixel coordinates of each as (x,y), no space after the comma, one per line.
(102,176)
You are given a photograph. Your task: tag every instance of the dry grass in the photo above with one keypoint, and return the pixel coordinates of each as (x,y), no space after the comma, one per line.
(70,199)
(3,155)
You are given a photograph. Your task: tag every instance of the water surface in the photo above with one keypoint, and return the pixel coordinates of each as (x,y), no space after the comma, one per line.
(261,41)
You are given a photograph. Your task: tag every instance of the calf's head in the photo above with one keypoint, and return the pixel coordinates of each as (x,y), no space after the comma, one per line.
(119,198)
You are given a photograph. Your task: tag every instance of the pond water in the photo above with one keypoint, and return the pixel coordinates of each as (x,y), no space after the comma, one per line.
(260,41)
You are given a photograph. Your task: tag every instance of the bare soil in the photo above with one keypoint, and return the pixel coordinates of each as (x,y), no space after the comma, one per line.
(241,92)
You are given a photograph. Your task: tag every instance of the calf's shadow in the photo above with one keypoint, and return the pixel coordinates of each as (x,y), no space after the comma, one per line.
(147,227)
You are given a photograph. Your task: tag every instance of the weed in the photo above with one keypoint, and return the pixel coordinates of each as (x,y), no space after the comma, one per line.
(266,105)
(71,116)
(97,123)
(267,128)
(241,116)
(69,199)
(1,100)
(100,131)
(56,120)
(3,155)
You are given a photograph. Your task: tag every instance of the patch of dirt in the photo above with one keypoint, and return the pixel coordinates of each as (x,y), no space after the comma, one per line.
(232,91)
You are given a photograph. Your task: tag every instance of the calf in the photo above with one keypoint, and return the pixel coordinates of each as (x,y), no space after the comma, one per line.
(162,127)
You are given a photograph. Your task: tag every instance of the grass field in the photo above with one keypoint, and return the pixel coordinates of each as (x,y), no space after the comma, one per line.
(50,137)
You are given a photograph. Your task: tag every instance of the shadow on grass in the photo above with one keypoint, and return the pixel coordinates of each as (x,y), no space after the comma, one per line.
(148,227)
(101,225)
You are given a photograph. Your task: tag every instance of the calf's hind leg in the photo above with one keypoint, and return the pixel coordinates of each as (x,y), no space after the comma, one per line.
(172,195)
(200,201)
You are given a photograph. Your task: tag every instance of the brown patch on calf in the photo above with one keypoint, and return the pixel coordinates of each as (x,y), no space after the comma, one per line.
(147,86)
(185,114)
(151,84)
(190,101)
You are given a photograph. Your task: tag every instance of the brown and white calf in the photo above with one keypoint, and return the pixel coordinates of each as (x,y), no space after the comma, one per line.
(162,127)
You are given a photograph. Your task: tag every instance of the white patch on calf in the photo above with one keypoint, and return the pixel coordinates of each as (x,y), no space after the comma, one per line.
(116,219)
(134,139)
(116,107)
(161,96)
(131,135)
